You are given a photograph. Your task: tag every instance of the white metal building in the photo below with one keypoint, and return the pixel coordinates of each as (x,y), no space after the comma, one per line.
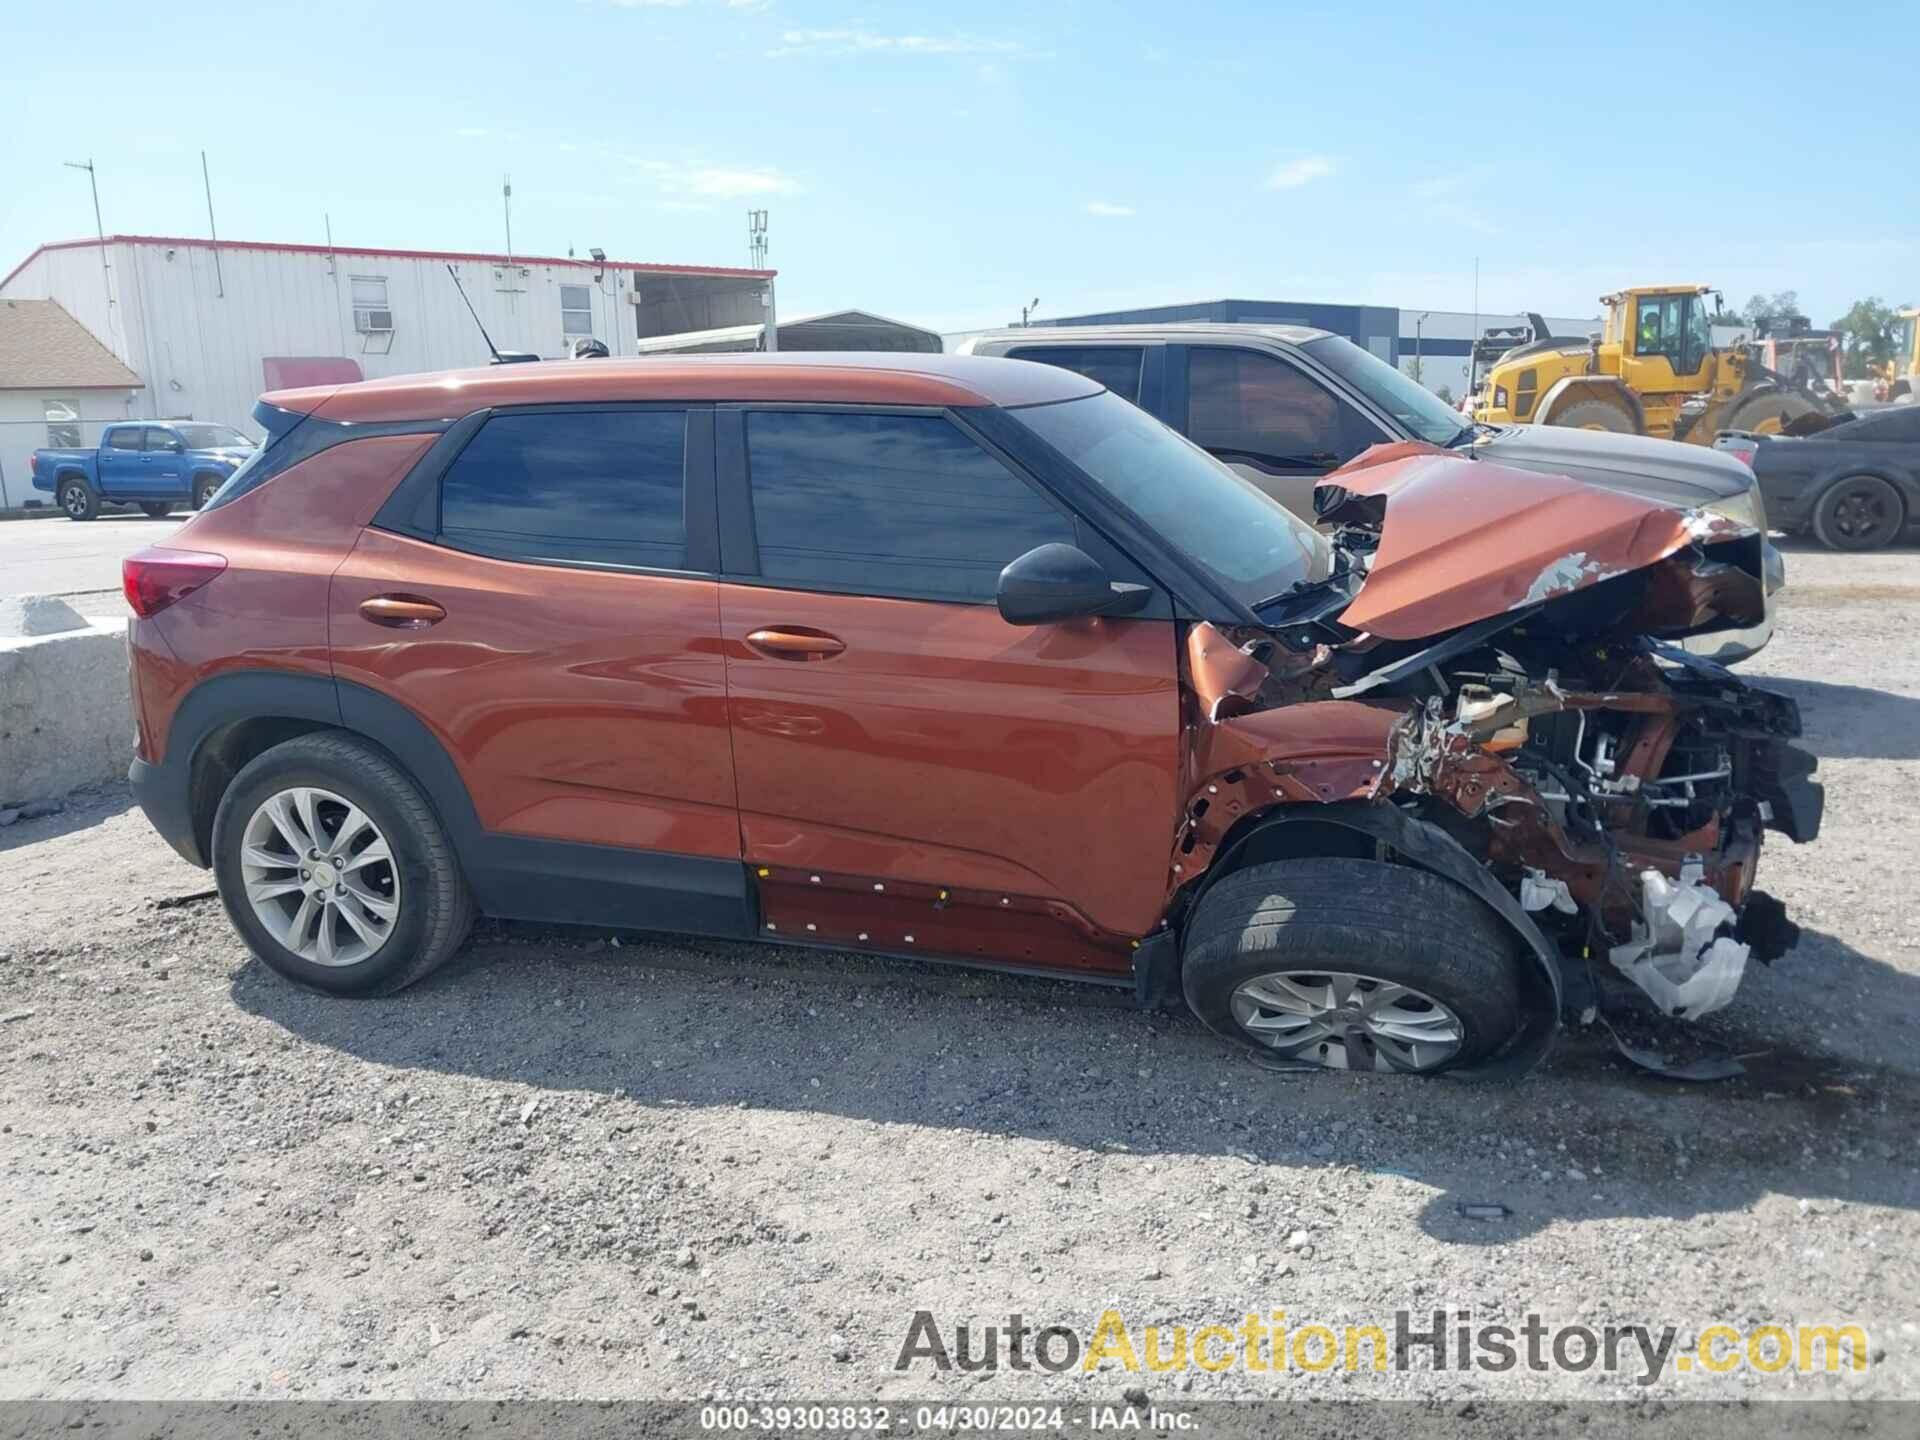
(1437,349)
(209,326)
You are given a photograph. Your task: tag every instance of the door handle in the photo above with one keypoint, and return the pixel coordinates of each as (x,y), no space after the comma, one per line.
(796,642)
(402,612)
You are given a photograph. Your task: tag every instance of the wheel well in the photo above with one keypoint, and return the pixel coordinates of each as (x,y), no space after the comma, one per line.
(225,753)
(79,475)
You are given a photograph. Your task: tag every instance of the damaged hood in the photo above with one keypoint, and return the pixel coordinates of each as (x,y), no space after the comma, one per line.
(1658,469)
(1461,540)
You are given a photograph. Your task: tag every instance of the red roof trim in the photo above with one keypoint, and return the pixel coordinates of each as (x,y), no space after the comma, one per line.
(202,243)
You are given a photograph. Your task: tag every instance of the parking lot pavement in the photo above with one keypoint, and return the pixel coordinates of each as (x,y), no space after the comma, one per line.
(581,1164)
(65,557)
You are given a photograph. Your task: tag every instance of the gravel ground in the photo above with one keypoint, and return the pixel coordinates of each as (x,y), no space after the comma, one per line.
(574,1164)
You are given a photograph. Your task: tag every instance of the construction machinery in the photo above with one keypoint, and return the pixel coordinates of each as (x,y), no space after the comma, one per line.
(1653,370)
(1902,376)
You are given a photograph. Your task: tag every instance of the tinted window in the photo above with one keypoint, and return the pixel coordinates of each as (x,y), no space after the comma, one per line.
(596,487)
(1252,546)
(888,505)
(1250,406)
(1115,366)
(125,438)
(158,439)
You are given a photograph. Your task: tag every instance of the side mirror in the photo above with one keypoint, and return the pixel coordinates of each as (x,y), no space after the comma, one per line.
(1062,582)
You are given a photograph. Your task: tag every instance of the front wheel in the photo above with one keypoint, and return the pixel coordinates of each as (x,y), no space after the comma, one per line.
(1352,965)
(203,490)
(79,499)
(335,870)
(1859,512)
(1596,415)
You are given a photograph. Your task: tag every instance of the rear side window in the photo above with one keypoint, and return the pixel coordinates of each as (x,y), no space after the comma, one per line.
(1115,366)
(127,437)
(601,487)
(1244,405)
(900,505)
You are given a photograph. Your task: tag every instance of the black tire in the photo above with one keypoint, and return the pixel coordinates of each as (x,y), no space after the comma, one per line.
(1390,923)
(1858,512)
(435,905)
(79,499)
(203,488)
(1596,415)
(157,509)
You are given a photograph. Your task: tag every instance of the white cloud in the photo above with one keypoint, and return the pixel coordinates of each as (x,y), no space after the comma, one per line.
(723,184)
(870,42)
(689,180)
(1106,209)
(1444,200)
(1294,173)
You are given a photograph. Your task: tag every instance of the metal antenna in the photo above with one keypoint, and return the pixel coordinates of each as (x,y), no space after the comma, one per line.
(213,234)
(106,282)
(757,238)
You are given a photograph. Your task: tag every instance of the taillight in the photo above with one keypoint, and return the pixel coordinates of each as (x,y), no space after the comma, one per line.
(156,577)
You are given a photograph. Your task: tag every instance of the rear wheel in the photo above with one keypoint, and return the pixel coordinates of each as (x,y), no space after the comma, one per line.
(1596,415)
(335,870)
(157,509)
(1859,512)
(79,499)
(1352,965)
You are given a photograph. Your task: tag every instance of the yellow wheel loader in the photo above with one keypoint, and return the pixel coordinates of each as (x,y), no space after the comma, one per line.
(1654,370)
(1902,376)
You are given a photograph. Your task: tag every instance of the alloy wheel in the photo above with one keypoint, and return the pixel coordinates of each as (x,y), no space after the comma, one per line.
(320,876)
(1345,1021)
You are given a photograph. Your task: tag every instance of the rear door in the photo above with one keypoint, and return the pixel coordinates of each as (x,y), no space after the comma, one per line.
(119,458)
(915,774)
(1272,421)
(554,620)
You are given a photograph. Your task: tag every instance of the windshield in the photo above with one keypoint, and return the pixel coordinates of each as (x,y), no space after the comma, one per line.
(213,437)
(1424,413)
(1250,544)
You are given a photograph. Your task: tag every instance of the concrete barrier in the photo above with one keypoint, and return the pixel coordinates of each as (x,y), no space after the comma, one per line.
(64,717)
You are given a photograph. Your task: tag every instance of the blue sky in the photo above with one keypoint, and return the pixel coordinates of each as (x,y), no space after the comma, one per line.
(947,163)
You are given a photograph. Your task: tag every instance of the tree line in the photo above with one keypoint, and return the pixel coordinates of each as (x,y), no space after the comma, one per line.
(1868,332)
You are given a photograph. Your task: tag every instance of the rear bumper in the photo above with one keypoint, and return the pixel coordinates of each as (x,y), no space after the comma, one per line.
(163,794)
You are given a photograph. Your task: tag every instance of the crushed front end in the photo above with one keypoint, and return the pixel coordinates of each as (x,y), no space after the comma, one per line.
(1492,657)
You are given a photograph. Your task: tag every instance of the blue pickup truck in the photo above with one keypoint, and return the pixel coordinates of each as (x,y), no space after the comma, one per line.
(157,466)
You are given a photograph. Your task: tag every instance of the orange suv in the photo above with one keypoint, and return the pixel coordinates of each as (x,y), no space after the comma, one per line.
(963,659)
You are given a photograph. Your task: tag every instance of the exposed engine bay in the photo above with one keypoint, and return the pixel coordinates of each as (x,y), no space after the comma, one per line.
(1616,786)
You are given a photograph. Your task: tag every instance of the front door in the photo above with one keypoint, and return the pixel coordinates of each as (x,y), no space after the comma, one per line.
(1668,344)
(119,460)
(560,632)
(915,774)
(163,469)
